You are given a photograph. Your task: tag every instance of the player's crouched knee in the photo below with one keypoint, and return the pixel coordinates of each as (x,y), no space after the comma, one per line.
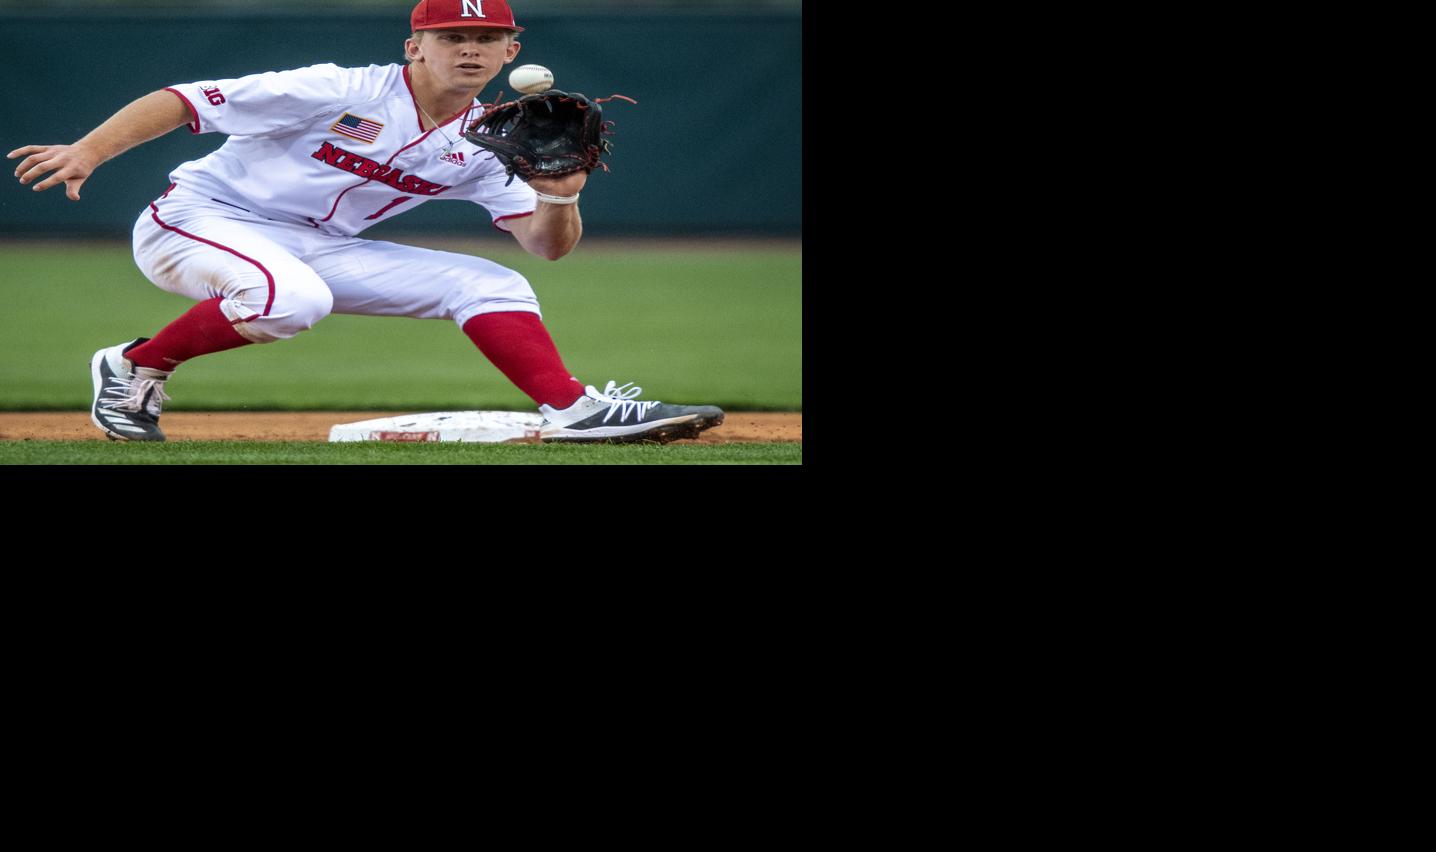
(510,292)
(301,311)
(290,313)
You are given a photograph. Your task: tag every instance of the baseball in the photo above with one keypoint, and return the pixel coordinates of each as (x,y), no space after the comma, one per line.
(531,79)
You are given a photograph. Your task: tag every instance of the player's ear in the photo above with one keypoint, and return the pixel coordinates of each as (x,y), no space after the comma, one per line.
(411,48)
(514,48)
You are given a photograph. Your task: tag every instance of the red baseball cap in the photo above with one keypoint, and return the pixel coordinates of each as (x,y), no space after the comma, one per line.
(446,14)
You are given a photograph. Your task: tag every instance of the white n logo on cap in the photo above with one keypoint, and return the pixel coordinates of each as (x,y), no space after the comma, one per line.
(473,6)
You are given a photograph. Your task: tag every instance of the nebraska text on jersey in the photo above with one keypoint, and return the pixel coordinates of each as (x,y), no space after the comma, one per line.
(355,127)
(374,170)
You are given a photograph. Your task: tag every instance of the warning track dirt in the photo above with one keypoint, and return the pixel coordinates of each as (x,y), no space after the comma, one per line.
(738,427)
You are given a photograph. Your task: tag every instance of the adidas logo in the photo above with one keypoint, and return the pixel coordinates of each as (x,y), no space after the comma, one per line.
(456,158)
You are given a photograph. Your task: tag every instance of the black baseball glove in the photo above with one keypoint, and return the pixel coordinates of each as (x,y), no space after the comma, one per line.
(550,134)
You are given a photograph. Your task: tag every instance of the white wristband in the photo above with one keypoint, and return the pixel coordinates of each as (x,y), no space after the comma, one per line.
(557,199)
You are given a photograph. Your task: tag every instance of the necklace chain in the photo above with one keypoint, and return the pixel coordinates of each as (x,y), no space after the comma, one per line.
(452,142)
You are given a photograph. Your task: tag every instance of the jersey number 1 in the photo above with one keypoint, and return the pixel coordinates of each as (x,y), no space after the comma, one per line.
(387,207)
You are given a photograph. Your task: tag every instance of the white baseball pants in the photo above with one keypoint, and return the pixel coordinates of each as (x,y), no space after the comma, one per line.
(277,279)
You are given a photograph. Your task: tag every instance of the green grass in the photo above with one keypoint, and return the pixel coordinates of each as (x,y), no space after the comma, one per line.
(373,453)
(706,326)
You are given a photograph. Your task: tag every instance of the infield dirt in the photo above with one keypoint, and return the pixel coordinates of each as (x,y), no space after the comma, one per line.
(738,427)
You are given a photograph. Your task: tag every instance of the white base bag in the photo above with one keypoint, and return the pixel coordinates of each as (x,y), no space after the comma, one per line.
(479,427)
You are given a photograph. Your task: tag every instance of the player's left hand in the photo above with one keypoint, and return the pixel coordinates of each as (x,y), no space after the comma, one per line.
(569,184)
(546,135)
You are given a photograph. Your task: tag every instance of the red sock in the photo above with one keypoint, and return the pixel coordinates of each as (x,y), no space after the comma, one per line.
(519,345)
(201,330)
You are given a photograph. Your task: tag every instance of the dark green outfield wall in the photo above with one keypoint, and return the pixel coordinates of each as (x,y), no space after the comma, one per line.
(682,162)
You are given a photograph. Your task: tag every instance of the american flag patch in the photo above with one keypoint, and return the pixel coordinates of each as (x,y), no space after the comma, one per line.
(363,129)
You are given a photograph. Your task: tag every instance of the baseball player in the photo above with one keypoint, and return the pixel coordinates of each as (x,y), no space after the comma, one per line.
(263,232)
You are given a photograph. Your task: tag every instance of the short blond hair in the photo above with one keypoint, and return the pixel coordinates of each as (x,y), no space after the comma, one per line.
(418,35)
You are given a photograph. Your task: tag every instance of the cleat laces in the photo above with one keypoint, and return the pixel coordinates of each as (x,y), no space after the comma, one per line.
(621,400)
(135,394)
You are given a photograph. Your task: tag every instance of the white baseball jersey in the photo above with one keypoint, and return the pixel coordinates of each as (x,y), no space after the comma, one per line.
(338,149)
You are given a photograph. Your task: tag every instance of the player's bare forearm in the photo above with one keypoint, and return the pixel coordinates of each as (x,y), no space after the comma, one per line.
(554,229)
(149,117)
(141,120)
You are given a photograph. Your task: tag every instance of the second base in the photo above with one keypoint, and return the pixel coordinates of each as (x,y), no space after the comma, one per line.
(481,427)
